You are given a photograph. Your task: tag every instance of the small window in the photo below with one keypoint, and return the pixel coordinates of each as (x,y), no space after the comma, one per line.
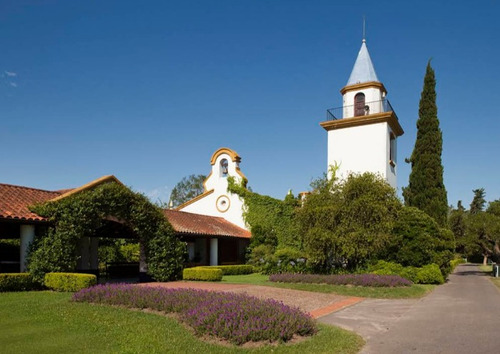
(359,105)
(224,167)
(392,150)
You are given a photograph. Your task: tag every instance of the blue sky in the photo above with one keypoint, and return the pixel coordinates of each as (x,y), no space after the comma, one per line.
(147,91)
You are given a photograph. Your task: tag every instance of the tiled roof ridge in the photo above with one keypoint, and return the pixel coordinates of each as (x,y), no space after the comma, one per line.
(31,188)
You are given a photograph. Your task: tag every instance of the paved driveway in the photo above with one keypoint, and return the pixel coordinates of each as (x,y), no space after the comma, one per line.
(462,316)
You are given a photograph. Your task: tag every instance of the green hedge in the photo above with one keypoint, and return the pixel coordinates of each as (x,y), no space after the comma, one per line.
(428,274)
(202,273)
(17,282)
(69,281)
(239,269)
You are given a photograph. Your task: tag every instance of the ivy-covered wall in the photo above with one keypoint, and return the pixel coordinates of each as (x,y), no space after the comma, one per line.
(82,214)
(271,220)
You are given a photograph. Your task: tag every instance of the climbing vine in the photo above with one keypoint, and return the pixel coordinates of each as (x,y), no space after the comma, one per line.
(271,220)
(84,213)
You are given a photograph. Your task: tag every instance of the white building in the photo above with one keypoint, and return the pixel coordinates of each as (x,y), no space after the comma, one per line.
(362,134)
(216,200)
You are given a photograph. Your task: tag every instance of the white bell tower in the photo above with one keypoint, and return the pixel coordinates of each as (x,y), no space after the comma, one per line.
(362,134)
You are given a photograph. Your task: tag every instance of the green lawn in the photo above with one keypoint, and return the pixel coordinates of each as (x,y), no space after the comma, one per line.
(488,269)
(47,322)
(414,291)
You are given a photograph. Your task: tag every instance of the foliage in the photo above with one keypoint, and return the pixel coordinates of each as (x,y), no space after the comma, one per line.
(390,268)
(186,189)
(85,213)
(17,282)
(342,279)
(456,221)
(347,223)
(270,219)
(478,202)
(483,229)
(202,273)
(69,281)
(283,260)
(423,275)
(426,189)
(430,274)
(494,208)
(418,241)
(237,318)
(237,269)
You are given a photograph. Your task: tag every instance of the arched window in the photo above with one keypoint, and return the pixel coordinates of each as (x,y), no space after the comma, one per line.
(223,167)
(359,104)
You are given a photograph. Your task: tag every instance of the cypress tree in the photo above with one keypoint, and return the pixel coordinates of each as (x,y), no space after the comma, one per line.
(426,189)
(478,202)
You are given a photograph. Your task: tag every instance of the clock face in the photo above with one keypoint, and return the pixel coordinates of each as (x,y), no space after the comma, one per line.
(223,203)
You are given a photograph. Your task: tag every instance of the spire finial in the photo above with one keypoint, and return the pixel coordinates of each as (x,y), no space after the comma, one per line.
(364,29)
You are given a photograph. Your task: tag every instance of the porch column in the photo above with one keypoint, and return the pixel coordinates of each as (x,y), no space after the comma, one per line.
(27,237)
(214,251)
(94,244)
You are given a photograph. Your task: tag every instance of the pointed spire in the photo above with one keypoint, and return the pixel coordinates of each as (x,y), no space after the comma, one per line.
(363,70)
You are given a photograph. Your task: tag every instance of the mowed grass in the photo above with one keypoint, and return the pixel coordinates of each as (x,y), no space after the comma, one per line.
(489,269)
(48,322)
(414,291)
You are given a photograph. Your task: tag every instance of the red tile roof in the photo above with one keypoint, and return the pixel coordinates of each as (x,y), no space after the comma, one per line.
(15,200)
(196,224)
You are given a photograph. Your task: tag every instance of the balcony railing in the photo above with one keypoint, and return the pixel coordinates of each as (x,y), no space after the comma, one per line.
(352,111)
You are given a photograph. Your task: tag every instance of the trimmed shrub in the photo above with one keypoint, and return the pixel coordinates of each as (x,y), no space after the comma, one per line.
(17,282)
(389,268)
(342,279)
(202,273)
(238,269)
(69,281)
(237,318)
(430,274)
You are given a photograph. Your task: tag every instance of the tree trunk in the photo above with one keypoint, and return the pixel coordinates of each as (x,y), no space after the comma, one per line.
(485,259)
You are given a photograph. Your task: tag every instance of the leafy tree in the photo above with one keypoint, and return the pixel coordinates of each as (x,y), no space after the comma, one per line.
(494,207)
(419,241)
(457,222)
(347,223)
(186,189)
(482,233)
(478,202)
(426,189)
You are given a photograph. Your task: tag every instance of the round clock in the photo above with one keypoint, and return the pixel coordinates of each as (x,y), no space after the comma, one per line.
(223,203)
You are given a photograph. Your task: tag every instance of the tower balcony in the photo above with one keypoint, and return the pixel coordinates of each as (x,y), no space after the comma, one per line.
(366,109)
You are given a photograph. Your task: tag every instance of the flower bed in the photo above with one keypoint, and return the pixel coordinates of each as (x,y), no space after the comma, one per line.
(236,318)
(343,279)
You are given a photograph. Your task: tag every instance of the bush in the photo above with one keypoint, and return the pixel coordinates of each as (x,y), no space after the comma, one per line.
(342,279)
(69,281)
(430,274)
(237,318)
(202,273)
(418,241)
(389,268)
(238,269)
(17,282)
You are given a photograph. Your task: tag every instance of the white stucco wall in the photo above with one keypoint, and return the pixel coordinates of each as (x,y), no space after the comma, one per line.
(372,94)
(361,149)
(218,183)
